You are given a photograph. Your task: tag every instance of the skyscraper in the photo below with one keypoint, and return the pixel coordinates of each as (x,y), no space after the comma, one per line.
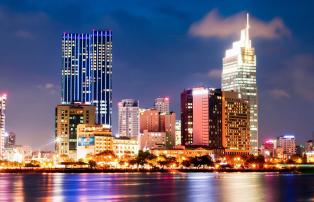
(194,116)
(215,118)
(235,124)
(10,140)
(162,104)
(149,120)
(68,117)
(239,74)
(87,71)
(128,118)
(3,99)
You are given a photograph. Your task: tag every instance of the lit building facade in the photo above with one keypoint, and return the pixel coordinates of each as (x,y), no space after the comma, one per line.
(125,147)
(235,124)
(168,125)
(129,123)
(215,118)
(178,132)
(149,120)
(239,74)
(87,71)
(152,140)
(288,145)
(68,117)
(3,100)
(162,104)
(195,116)
(93,139)
(9,140)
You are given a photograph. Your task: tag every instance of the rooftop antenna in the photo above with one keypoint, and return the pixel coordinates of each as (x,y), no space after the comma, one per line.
(247,38)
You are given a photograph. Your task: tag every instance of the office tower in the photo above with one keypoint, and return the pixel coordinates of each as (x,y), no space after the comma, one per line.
(288,145)
(162,104)
(3,100)
(93,139)
(187,117)
(235,124)
(239,74)
(10,140)
(87,71)
(149,120)
(167,123)
(195,116)
(178,132)
(68,116)
(215,120)
(128,118)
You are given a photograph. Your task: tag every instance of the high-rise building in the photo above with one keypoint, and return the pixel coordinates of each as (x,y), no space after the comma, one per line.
(68,117)
(87,71)
(235,124)
(178,132)
(239,75)
(194,116)
(288,145)
(215,118)
(187,117)
(149,120)
(10,140)
(162,104)
(128,118)
(168,124)
(3,100)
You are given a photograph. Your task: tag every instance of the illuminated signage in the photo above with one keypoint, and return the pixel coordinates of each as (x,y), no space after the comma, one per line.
(86,141)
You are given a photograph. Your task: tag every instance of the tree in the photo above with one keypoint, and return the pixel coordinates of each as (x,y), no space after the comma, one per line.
(186,163)
(142,158)
(199,161)
(167,161)
(258,160)
(92,164)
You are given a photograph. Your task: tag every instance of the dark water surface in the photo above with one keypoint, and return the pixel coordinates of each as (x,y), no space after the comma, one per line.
(157,187)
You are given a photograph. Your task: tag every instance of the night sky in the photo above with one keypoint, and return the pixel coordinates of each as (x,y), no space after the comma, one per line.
(159,48)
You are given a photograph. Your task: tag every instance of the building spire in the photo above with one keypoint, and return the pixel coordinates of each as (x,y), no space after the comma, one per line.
(247,36)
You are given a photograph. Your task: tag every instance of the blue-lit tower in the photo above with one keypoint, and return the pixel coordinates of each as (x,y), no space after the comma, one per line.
(87,71)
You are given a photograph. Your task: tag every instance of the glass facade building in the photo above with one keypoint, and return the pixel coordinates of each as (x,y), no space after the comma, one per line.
(239,75)
(3,100)
(87,71)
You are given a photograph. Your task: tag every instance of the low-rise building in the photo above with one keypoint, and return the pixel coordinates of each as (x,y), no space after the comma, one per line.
(125,147)
(288,145)
(152,140)
(310,157)
(181,153)
(93,139)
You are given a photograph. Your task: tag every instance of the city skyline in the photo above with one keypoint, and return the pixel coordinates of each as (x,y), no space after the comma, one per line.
(133,61)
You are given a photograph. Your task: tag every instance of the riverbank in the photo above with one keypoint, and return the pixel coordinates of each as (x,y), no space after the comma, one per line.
(103,170)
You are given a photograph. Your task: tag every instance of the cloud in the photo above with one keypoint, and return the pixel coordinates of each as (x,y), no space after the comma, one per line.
(214,25)
(300,72)
(215,74)
(49,87)
(279,94)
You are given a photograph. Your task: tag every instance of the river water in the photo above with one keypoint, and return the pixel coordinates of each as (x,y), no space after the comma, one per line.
(157,187)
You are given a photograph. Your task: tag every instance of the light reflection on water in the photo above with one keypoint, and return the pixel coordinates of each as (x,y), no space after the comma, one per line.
(157,187)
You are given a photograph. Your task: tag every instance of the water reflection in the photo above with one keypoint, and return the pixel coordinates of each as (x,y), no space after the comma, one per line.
(157,187)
